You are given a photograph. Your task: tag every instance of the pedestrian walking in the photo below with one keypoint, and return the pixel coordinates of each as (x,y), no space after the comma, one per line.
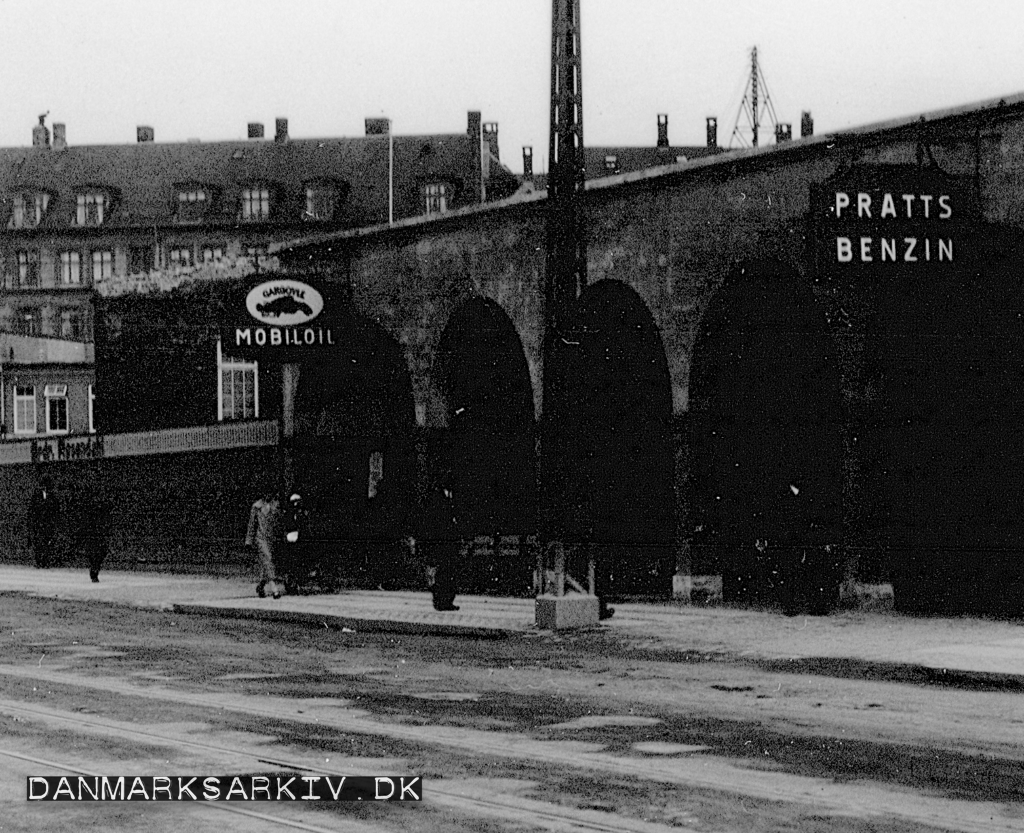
(295,565)
(440,545)
(263,534)
(95,529)
(43,518)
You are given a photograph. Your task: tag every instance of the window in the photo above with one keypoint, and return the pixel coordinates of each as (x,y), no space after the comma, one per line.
(70,268)
(29,322)
(140,259)
(238,388)
(435,198)
(28,268)
(102,266)
(255,204)
(611,163)
(213,254)
(28,210)
(181,258)
(24,409)
(321,202)
(91,206)
(92,406)
(72,325)
(192,203)
(56,409)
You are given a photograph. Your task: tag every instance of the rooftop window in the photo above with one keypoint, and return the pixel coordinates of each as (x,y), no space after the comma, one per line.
(92,205)
(28,209)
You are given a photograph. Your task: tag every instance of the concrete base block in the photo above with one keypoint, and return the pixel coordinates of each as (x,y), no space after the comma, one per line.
(560,612)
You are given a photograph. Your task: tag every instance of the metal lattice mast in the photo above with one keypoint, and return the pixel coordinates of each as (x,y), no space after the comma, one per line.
(757,102)
(566,233)
(565,276)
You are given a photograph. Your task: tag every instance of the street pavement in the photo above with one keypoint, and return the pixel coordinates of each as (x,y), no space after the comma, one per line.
(958,651)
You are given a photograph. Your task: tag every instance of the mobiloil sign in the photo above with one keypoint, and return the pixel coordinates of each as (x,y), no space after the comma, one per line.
(283,315)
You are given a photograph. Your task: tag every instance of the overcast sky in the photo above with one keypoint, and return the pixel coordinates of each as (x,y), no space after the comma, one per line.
(205,68)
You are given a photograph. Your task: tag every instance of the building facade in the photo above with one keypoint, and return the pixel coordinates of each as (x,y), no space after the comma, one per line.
(114,220)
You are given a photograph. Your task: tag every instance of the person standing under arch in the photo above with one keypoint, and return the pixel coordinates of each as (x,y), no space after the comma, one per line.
(43,517)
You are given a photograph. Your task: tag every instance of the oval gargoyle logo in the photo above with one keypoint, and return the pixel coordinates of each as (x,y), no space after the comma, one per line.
(284,303)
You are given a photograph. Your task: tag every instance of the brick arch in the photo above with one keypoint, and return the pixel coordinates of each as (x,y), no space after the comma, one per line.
(623,418)
(765,425)
(943,450)
(482,373)
(352,406)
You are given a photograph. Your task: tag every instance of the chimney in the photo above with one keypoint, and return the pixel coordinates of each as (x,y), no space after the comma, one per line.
(476,143)
(378,127)
(281,130)
(527,161)
(40,135)
(663,130)
(806,124)
(255,130)
(491,137)
(60,136)
(144,133)
(712,123)
(783,133)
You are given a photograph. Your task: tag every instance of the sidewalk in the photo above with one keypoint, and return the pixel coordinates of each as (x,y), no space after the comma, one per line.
(958,651)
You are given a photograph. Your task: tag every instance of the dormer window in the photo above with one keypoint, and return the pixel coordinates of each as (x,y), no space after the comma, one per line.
(255,203)
(92,205)
(435,198)
(611,163)
(28,209)
(321,201)
(192,204)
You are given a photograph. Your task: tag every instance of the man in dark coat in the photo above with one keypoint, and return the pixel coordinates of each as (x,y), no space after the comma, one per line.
(95,530)
(440,546)
(43,516)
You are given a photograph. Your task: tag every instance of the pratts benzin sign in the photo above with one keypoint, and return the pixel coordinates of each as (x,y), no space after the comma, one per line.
(896,217)
(282,316)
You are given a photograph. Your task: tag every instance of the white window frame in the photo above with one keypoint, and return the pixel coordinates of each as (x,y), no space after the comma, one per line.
(28,209)
(102,264)
(28,267)
(69,316)
(70,268)
(180,257)
(255,203)
(91,206)
(29,321)
(321,202)
(54,394)
(228,365)
(212,254)
(435,198)
(21,400)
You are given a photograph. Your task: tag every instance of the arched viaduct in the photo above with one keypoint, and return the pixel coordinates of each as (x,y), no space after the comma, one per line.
(747,353)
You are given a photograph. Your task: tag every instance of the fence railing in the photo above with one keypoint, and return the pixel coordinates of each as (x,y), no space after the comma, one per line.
(166,441)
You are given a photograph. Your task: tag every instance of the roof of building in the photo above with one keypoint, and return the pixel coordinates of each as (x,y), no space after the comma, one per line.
(144,179)
(936,120)
(639,158)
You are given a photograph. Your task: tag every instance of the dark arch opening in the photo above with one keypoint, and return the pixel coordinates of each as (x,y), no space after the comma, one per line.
(945,353)
(490,459)
(766,441)
(623,421)
(354,451)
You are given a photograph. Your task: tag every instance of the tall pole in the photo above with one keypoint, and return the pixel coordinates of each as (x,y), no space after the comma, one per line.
(391,175)
(565,277)
(566,229)
(753,91)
